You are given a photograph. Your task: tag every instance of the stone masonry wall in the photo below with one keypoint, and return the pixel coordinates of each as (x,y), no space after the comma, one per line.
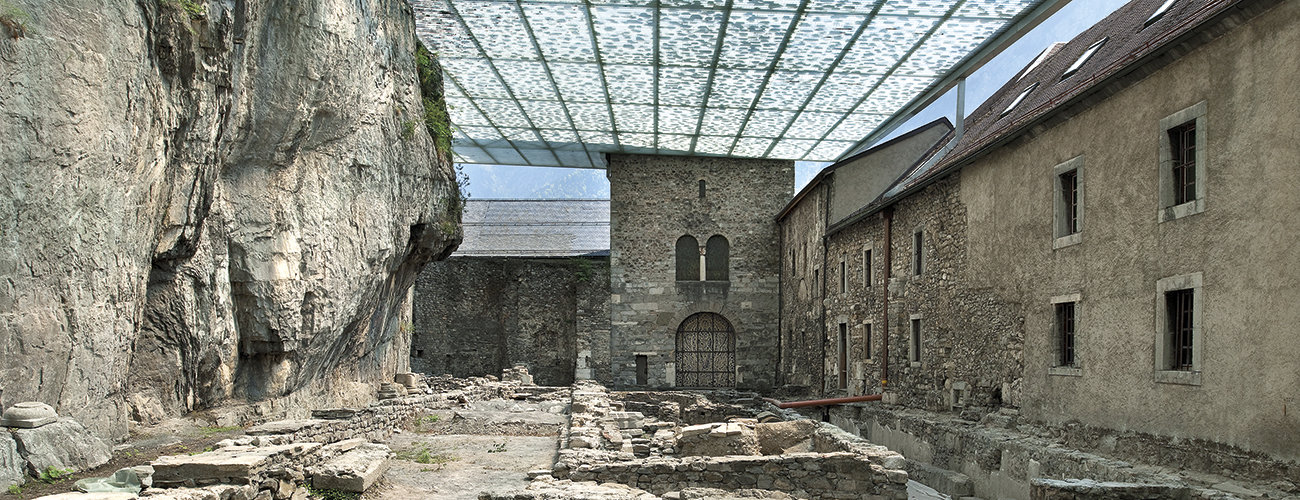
(475,316)
(971,340)
(801,308)
(654,201)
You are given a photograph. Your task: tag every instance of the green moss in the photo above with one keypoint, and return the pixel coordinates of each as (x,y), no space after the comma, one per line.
(15,20)
(54,474)
(196,10)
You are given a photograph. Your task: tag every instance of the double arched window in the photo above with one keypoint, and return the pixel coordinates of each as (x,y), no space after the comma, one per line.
(714,257)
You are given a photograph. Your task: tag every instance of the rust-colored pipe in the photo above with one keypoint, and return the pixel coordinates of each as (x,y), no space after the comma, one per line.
(823,402)
(884,297)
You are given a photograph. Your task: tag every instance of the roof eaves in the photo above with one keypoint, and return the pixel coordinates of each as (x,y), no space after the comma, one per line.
(943,120)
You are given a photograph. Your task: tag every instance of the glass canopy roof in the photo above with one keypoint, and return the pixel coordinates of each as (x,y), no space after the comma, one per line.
(561,82)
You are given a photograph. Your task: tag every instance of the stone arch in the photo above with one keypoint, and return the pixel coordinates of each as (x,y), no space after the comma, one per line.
(705,351)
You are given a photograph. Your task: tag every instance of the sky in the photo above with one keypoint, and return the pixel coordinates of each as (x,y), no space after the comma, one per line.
(502,181)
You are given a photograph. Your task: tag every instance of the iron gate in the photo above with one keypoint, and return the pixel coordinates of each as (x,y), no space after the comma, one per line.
(706,351)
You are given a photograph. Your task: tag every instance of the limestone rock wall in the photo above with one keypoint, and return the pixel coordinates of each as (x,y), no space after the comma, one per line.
(210,200)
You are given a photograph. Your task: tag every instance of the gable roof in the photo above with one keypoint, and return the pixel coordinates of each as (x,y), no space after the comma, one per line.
(535,228)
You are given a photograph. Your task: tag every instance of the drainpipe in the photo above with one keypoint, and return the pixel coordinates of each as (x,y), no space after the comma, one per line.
(823,402)
(888,213)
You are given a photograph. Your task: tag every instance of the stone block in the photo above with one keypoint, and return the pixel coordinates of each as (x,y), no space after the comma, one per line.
(696,429)
(353,471)
(280,427)
(232,465)
(334,414)
(11,463)
(794,436)
(28,415)
(627,419)
(410,381)
(65,444)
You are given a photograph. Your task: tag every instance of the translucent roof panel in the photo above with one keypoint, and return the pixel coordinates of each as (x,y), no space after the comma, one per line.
(561,82)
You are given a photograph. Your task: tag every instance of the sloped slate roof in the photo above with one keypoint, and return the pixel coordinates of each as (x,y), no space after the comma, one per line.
(535,228)
(1131,44)
(1136,46)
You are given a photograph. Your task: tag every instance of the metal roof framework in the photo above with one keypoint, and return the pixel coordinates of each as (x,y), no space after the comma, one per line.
(562,82)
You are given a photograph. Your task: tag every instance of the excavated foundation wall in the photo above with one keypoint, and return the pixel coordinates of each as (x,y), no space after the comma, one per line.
(211,200)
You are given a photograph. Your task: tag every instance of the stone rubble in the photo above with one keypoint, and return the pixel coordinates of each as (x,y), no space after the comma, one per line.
(606,446)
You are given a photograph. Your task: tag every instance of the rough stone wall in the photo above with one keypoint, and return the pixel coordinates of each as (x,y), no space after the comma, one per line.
(654,201)
(971,340)
(802,259)
(510,311)
(210,206)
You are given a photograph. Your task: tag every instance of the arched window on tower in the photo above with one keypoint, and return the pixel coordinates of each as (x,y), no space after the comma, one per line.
(688,258)
(716,258)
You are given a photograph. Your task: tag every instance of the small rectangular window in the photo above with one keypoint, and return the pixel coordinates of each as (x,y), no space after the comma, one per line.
(844,356)
(1179,305)
(1087,54)
(1065,333)
(1182,150)
(866,268)
(816,283)
(1159,12)
(844,277)
(866,341)
(915,347)
(1070,202)
(918,252)
(642,369)
(419,353)
(1019,98)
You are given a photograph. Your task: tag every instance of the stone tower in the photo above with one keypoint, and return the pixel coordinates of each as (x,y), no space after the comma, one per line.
(695,270)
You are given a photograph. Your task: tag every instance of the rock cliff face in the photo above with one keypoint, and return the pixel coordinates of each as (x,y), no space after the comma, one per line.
(204,201)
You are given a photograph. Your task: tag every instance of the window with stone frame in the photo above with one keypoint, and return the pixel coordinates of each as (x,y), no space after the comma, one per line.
(844,276)
(1180,332)
(866,267)
(914,341)
(1067,203)
(1183,163)
(1065,335)
(918,252)
(843,361)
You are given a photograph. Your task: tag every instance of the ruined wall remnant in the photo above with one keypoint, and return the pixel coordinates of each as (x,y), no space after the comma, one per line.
(212,202)
(475,316)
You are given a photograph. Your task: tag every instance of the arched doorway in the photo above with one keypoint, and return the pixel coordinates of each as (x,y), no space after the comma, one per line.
(706,351)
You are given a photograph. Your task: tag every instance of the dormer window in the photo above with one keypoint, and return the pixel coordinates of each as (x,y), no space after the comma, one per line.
(1159,13)
(1019,98)
(1087,54)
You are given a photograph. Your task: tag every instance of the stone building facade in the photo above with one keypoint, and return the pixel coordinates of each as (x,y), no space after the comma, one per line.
(1103,246)
(673,281)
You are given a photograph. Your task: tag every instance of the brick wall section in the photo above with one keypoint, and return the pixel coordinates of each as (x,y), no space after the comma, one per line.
(654,201)
(801,309)
(475,316)
(971,339)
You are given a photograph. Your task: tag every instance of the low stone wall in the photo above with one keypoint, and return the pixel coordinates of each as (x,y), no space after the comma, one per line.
(605,445)
(805,475)
(996,458)
(1051,489)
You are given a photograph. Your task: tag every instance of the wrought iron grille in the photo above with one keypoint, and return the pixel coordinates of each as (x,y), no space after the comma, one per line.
(1065,322)
(1180,308)
(706,351)
(1182,149)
